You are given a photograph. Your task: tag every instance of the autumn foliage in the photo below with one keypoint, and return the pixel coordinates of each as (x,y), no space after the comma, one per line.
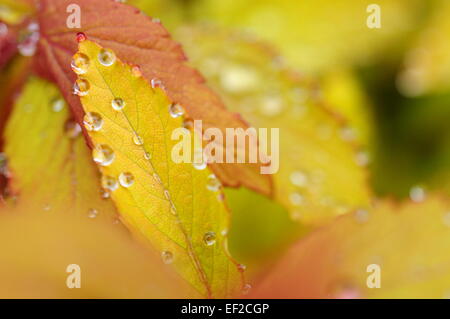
(88,108)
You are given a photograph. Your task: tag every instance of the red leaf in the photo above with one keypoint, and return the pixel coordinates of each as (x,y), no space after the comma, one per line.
(8,45)
(139,41)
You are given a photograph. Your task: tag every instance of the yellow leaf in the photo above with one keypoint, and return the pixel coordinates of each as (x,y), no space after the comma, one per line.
(316,34)
(12,11)
(317,154)
(56,216)
(405,244)
(427,65)
(45,145)
(344,94)
(179,209)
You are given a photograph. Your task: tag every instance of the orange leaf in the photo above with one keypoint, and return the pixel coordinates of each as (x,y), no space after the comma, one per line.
(405,244)
(138,40)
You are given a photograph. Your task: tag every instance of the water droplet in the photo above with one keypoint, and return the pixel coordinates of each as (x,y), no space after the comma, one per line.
(188,124)
(156,83)
(241,267)
(147,156)
(417,194)
(362,158)
(167,257)
(238,79)
(81,37)
(348,292)
(58,105)
(157,178)
(28,40)
(72,129)
(104,194)
(93,121)
(106,57)
(209,238)
(348,134)
(136,71)
(109,183)
(81,87)
(118,104)
(362,215)
(200,166)
(3,29)
(92,213)
(271,106)
(213,183)
(220,197)
(296,199)
(299,178)
(138,140)
(246,289)
(176,110)
(80,63)
(103,155)
(446,219)
(126,179)
(47,207)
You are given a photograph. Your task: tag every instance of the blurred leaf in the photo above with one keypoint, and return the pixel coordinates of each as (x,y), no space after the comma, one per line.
(13,11)
(171,13)
(8,45)
(39,124)
(427,65)
(260,230)
(316,34)
(408,241)
(317,155)
(179,209)
(344,94)
(139,41)
(57,216)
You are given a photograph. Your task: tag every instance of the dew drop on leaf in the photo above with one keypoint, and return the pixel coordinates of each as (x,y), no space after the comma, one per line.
(104,194)
(126,179)
(446,219)
(241,267)
(156,83)
(299,179)
(417,194)
(92,213)
(176,110)
(138,140)
(209,238)
(147,155)
(213,183)
(93,121)
(167,257)
(200,166)
(81,87)
(118,104)
(296,199)
(72,129)
(109,183)
(246,289)
(80,63)
(103,155)
(106,57)
(81,37)
(58,105)
(362,215)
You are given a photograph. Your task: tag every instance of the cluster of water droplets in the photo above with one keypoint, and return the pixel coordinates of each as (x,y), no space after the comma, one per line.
(28,39)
